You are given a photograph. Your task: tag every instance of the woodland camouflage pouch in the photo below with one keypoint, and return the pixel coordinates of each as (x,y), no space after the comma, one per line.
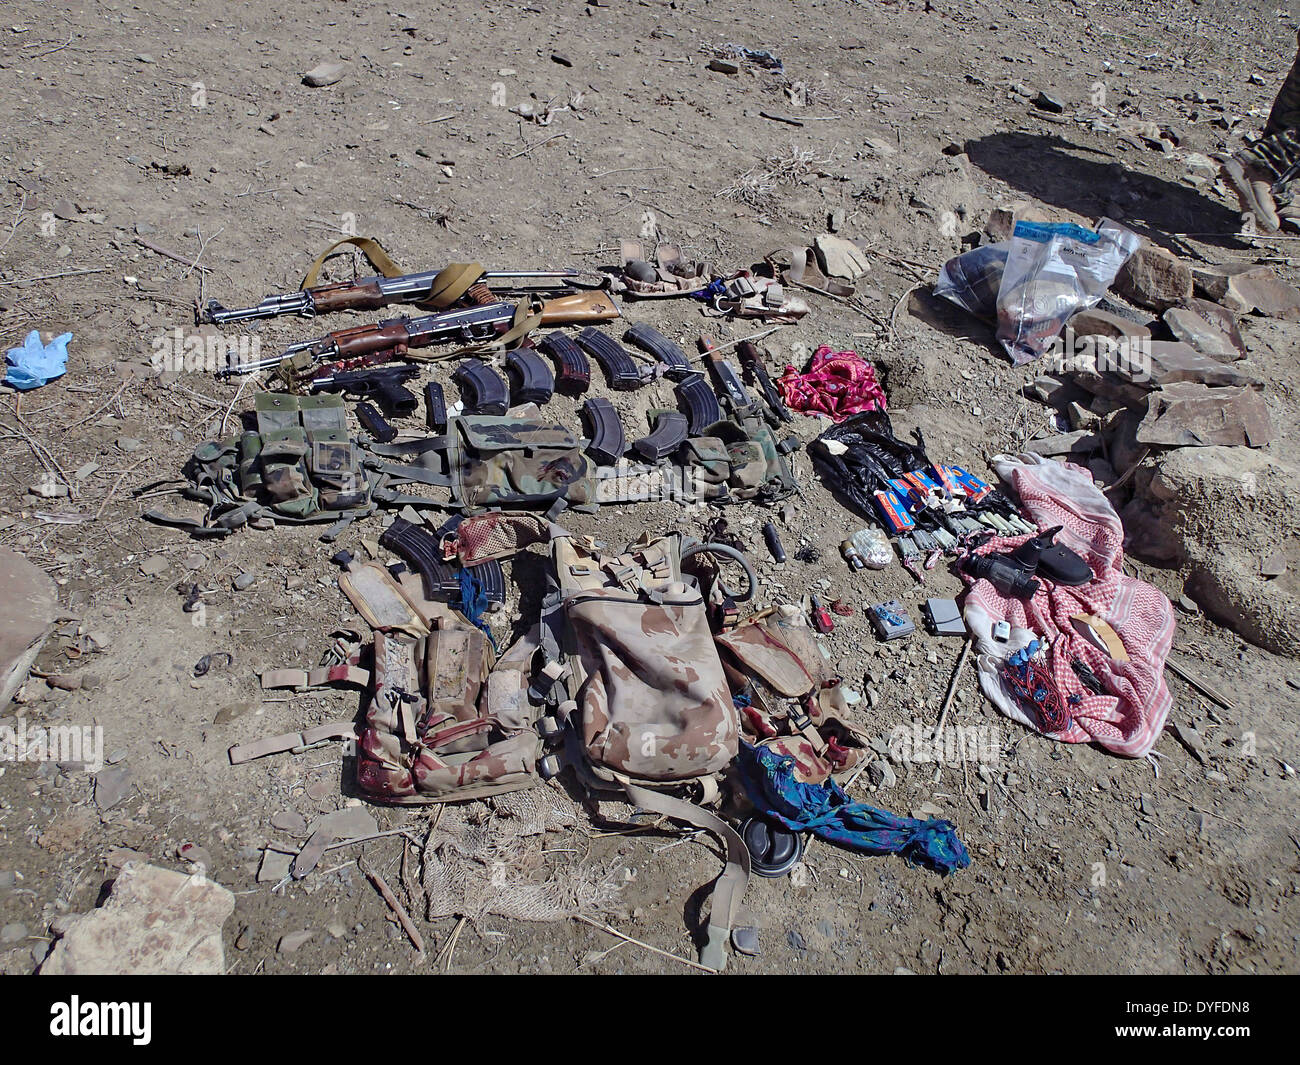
(299,464)
(492,462)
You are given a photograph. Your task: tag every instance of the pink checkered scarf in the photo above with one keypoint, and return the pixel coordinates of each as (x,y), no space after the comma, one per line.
(838,384)
(1130,721)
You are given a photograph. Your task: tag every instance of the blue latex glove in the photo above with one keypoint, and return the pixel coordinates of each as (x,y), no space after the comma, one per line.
(36,364)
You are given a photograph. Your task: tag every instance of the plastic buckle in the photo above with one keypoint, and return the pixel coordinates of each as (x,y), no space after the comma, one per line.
(799,719)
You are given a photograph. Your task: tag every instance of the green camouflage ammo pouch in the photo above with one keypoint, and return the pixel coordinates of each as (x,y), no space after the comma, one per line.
(490,462)
(744,456)
(298,465)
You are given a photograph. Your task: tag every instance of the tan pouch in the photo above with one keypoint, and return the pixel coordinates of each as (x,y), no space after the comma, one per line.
(653,699)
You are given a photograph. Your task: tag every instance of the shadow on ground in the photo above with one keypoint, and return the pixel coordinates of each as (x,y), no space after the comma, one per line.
(1088,182)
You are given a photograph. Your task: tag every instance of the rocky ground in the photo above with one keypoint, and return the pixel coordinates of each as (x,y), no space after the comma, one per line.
(159,153)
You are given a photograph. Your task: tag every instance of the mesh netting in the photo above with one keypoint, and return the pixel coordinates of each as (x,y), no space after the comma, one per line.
(497,536)
(491,858)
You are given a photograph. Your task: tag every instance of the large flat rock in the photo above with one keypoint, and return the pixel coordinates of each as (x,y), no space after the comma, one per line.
(1187,414)
(29,604)
(156,921)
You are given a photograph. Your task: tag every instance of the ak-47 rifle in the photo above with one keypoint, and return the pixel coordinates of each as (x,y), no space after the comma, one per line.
(372,293)
(368,345)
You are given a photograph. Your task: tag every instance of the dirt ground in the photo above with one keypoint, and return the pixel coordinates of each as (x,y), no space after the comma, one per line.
(187,126)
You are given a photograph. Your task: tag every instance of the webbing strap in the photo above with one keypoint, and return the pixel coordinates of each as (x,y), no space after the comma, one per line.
(399,472)
(315,678)
(368,246)
(527,318)
(449,285)
(411,447)
(729,887)
(452,282)
(292,741)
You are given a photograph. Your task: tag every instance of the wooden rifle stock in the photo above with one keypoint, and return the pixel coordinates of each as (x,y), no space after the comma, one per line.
(579,308)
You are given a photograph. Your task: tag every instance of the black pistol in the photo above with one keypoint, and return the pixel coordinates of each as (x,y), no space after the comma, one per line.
(384,385)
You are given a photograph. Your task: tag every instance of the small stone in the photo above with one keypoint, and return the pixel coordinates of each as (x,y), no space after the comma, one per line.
(244,581)
(12,933)
(156,921)
(324,74)
(724,66)
(144,57)
(336,929)
(1274,565)
(1096,322)
(1044,102)
(1188,606)
(292,584)
(112,786)
(1212,281)
(85,471)
(745,940)
(245,939)
(66,210)
(881,774)
(1207,337)
(1172,362)
(1269,296)
(1147,804)
(127,443)
(1191,739)
(840,258)
(275,867)
(294,940)
(319,790)
(1187,414)
(290,821)
(1081,442)
(231,711)
(796,941)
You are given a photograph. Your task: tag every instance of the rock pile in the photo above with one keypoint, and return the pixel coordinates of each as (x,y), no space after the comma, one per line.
(1170,409)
